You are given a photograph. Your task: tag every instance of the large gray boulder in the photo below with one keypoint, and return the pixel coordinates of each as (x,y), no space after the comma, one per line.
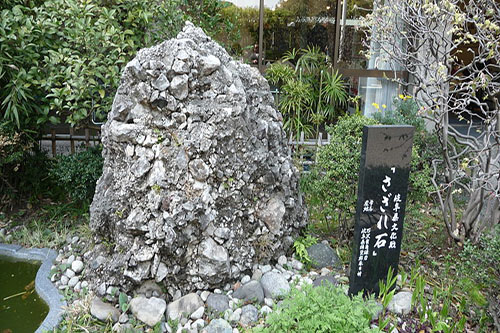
(148,310)
(185,305)
(197,184)
(275,285)
(322,255)
(103,311)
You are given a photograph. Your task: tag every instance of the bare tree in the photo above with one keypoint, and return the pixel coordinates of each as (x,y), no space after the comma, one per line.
(451,50)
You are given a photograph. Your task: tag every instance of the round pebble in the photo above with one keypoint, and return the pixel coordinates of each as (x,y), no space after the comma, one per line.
(245,279)
(73,281)
(77,266)
(70,259)
(265,268)
(235,316)
(198,324)
(69,273)
(198,314)
(265,310)
(269,302)
(204,295)
(64,280)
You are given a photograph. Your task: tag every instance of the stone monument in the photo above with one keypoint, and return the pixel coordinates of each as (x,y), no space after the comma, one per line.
(380,211)
(198,184)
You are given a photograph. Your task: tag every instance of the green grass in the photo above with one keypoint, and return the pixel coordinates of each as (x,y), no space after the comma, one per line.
(50,226)
(322,309)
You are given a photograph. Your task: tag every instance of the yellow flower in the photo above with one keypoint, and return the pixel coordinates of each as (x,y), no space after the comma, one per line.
(384,106)
(376,106)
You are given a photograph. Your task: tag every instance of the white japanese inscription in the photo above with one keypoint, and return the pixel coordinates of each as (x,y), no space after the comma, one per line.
(368,206)
(363,249)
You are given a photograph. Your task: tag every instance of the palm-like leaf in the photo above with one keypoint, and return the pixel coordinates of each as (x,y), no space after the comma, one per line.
(279,73)
(310,92)
(333,89)
(290,55)
(296,98)
(311,60)
(296,106)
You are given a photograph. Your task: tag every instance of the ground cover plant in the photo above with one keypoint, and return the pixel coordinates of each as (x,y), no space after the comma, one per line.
(322,309)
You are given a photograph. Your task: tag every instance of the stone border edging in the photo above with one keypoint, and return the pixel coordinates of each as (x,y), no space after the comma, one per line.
(43,286)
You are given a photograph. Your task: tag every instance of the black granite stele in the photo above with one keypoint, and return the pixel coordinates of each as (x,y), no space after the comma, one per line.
(380,210)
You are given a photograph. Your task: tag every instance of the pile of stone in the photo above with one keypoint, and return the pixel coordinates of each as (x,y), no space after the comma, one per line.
(198,184)
(68,270)
(243,304)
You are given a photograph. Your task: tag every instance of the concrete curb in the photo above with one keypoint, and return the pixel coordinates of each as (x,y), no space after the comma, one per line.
(43,286)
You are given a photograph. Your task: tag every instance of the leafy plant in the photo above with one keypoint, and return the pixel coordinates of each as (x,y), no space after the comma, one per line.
(322,309)
(311,92)
(78,173)
(63,58)
(386,288)
(405,111)
(300,246)
(386,293)
(123,302)
(428,310)
(479,274)
(330,187)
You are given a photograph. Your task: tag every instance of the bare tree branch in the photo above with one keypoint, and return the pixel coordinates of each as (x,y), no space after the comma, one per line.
(452,54)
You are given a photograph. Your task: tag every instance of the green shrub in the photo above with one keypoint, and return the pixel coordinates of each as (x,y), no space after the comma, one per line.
(77,174)
(24,169)
(322,309)
(330,187)
(62,59)
(405,111)
(479,264)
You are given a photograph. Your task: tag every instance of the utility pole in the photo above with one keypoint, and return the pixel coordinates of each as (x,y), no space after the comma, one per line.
(261,35)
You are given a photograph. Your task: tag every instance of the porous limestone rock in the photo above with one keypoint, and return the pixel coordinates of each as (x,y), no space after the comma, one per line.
(198,184)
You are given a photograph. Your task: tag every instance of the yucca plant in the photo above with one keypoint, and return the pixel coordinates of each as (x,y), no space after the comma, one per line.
(312,93)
